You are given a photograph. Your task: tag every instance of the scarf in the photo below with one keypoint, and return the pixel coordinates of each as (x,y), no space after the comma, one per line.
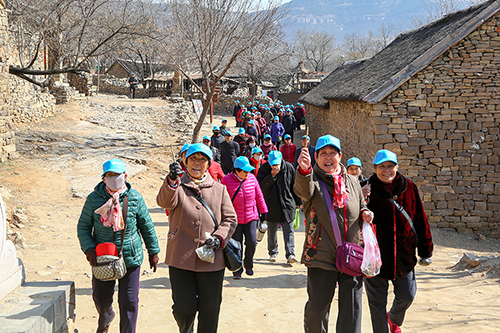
(111,211)
(197,182)
(340,196)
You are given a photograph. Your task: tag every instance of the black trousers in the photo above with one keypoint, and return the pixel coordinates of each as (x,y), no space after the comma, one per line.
(196,292)
(320,289)
(250,232)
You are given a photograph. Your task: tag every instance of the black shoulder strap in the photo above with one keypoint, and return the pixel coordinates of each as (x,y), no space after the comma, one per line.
(235,193)
(408,218)
(207,207)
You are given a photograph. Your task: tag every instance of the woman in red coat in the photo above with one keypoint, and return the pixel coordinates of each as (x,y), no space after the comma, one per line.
(248,201)
(402,228)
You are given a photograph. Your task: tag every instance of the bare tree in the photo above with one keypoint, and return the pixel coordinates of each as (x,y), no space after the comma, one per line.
(69,32)
(438,8)
(315,48)
(271,56)
(211,35)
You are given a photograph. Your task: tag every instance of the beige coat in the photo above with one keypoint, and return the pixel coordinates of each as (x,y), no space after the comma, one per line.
(320,247)
(189,221)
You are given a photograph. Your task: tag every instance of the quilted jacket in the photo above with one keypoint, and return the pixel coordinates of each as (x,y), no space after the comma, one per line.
(91,231)
(248,198)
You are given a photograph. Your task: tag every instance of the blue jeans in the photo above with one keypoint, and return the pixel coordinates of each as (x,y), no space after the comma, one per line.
(288,237)
(128,300)
(405,289)
(321,285)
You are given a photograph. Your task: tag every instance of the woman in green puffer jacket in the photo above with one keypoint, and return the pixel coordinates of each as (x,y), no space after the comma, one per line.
(96,226)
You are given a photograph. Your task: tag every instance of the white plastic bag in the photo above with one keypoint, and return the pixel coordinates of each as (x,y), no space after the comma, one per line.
(371,258)
(206,253)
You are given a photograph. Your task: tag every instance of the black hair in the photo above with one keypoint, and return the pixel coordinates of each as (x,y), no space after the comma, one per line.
(238,169)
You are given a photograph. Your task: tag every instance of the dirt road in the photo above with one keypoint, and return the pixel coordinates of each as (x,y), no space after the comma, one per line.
(60,162)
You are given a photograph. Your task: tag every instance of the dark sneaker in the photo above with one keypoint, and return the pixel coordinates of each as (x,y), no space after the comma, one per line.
(237,276)
(249,271)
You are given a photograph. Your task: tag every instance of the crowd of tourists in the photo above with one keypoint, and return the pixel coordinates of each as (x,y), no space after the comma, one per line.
(228,185)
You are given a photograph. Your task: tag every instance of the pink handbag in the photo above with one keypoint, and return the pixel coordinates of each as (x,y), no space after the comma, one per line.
(349,255)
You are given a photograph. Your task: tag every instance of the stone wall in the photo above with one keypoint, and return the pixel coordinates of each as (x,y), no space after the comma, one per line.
(444,124)
(81,82)
(7,137)
(225,105)
(29,103)
(111,85)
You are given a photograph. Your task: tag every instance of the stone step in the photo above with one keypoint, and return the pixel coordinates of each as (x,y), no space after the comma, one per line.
(39,307)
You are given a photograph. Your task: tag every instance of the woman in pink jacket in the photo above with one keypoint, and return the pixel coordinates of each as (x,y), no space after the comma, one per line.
(248,200)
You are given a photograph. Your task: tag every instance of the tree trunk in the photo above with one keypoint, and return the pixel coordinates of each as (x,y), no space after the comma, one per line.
(201,120)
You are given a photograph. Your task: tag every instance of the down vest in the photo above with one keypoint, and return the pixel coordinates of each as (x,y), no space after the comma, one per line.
(248,198)
(91,231)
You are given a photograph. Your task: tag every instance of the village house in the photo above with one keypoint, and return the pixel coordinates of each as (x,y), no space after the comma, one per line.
(432,97)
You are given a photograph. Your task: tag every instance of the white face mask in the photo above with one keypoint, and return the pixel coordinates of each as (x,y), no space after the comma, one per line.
(258,157)
(115,183)
(251,145)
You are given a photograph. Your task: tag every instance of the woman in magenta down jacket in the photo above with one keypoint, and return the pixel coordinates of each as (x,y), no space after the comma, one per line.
(246,201)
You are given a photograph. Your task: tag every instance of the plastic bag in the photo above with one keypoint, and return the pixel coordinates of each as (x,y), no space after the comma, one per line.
(296,223)
(206,253)
(371,259)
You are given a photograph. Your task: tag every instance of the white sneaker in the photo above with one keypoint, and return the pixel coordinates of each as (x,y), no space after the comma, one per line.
(273,258)
(292,260)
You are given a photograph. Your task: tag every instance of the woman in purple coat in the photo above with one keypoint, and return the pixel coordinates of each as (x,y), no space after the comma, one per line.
(277,131)
(248,200)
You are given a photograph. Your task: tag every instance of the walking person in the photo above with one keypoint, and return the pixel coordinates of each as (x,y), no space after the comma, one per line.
(306,144)
(217,137)
(229,150)
(248,201)
(133,82)
(101,222)
(402,229)
(196,284)
(288,122)
(256,160)
(277,132)
(276,179)
(267,146)
(289,149)
(320,247)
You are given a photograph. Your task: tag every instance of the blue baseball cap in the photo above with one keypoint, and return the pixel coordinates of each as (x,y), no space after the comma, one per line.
(237,102)
(267,136)
(206,137)
(353,161)
(216,128)
(243,163)
(241,131)
(287,136)
(275,157)
(256,113)
(328,140)
(256,150)
(251,122)
(276,118)
(228,133)
(199,148)
(385,155)
(115,165)
(185,147)
(306,137)
(224,121)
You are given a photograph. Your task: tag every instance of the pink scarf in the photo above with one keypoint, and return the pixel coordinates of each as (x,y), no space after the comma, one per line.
(111,211)
(340,196)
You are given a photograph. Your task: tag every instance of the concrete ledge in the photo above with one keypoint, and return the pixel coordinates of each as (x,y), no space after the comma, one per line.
(39,307)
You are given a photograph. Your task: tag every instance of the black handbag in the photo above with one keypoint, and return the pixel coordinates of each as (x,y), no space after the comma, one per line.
(232,251)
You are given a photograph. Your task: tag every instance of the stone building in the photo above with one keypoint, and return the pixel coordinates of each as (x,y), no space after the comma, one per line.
(433,97)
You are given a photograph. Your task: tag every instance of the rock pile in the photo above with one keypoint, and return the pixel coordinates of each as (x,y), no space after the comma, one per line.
(482,265)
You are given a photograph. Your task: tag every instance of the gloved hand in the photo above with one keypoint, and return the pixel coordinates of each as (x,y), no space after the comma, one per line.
(263,217)
(91,257)
(213,242)
(425,261)
(175,171)
(153,262)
